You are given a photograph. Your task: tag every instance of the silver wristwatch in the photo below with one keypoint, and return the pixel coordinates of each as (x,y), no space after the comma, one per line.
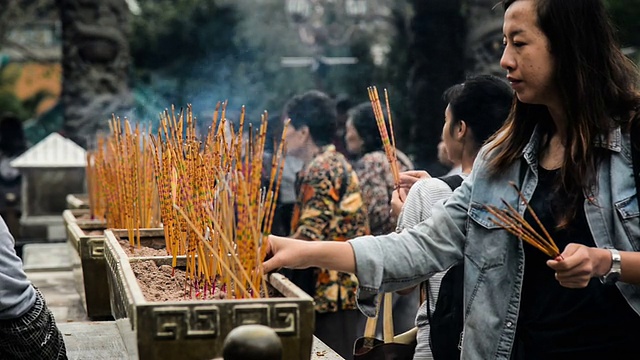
(614,273)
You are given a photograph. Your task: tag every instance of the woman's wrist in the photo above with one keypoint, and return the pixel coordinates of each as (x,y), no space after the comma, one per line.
(603,262)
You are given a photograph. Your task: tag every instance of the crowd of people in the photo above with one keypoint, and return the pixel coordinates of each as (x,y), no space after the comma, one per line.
(565,143)
(558,126)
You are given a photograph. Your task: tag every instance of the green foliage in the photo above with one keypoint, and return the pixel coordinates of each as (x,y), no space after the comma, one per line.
(181,50)
(171,33)
(10,103)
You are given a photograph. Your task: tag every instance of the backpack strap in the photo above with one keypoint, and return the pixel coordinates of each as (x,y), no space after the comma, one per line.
(454,181)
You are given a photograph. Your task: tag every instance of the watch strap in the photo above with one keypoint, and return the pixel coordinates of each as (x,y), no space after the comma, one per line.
(615,271)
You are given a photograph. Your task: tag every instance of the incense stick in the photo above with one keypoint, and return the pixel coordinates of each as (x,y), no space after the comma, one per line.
(511,220)
(213,205)
(389,146)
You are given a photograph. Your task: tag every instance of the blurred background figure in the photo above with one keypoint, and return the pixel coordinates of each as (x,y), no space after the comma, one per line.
(286,197)
(287,194)
(343,104)
(454,166)
(12,145)
(364,144)
(328,207)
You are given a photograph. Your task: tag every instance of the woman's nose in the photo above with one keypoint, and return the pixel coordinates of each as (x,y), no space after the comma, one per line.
(506,61)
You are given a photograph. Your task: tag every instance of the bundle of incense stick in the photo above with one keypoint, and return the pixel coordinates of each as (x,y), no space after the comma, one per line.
(389,145)
(95,187)
(126,171)
(214,208)
(511,220)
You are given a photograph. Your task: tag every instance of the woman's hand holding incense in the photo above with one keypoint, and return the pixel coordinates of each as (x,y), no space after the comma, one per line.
(399,195)
(408,178)
(579,263)
(397,200)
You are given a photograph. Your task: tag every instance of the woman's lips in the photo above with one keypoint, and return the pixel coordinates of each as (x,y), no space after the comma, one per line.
(515,83)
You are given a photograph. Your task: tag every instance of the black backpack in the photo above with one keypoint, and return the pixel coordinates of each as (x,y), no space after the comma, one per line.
(447,321)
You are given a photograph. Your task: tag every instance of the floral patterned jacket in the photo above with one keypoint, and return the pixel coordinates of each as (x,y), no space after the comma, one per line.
(329,207)
(376,182)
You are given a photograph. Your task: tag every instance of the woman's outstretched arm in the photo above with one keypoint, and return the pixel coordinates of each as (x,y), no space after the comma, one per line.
(300,254)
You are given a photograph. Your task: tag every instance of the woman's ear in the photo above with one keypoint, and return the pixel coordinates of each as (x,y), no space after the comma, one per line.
(461,130)
(304,132)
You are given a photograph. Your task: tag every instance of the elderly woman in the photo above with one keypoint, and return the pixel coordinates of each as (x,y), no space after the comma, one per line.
(364,143)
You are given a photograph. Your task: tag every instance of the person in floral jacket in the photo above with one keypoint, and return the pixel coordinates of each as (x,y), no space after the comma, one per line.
(329,207)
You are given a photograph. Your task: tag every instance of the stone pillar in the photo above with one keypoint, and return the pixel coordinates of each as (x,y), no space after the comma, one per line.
(484,39)
(95,63)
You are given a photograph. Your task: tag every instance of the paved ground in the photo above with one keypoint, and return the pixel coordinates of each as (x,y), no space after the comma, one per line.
(48,266)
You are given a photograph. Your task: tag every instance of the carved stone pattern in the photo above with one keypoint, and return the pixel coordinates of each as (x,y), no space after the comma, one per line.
(178,323)
(286,319)
(251,314)
(204,322)
(108,256)
(283,318)
(96,248)
(96,59)
(119,298)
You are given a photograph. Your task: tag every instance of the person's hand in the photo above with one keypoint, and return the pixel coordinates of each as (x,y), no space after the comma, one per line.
(578,264)
(397,200)
(408,178)
(285,252)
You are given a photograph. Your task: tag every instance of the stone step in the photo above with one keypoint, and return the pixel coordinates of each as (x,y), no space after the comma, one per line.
(46,257)
(93,340)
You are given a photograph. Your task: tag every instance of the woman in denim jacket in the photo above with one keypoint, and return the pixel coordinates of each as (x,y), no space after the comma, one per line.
(566,145)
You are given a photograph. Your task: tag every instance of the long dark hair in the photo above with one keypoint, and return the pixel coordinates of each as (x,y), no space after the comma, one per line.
(597,85)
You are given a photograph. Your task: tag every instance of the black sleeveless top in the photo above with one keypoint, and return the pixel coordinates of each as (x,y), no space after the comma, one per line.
(561,323)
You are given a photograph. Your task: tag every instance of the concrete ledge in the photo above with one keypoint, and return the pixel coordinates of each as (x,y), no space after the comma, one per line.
(46,257)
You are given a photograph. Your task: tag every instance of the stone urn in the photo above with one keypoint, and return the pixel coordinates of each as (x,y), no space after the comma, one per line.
(85,237)
(196,329)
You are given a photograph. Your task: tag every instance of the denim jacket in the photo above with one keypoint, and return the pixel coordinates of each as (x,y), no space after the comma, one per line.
(461,230)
